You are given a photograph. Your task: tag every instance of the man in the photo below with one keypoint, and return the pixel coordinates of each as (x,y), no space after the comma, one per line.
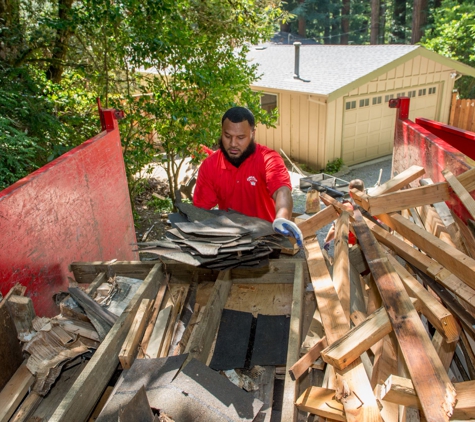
(246,177)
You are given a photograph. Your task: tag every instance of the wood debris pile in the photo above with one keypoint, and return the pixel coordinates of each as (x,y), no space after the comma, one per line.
(410,297)
(217,240)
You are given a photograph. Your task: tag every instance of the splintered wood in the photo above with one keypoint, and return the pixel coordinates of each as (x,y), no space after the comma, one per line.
(423,277)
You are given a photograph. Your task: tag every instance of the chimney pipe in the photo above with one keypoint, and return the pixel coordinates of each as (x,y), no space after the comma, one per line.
(297,60)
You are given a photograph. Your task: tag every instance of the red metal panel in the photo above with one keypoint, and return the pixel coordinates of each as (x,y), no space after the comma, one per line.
(415,145)
(76,208)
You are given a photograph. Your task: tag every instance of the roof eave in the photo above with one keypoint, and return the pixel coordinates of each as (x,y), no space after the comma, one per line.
(291,91)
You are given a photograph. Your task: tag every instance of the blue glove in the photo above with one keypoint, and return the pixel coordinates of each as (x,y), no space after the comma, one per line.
(326,246)
(287,228)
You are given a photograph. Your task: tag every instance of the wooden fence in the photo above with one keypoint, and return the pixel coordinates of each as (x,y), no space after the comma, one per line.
(462,113)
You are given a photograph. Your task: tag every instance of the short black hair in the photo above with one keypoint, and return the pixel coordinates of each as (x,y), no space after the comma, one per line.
(238,115)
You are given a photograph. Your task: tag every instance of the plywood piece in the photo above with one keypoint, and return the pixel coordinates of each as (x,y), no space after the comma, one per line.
(129,348)
(82,396)
(432,383)
(15,391)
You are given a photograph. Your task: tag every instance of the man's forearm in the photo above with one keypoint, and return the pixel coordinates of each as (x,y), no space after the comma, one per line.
(283,203)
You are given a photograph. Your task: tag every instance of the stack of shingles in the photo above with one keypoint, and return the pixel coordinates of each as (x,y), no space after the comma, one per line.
(219,241)
(412,343)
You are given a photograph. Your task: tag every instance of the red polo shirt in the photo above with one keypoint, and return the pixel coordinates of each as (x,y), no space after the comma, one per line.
(247,189)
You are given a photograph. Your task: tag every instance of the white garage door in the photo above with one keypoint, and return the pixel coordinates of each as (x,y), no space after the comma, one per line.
(368,122)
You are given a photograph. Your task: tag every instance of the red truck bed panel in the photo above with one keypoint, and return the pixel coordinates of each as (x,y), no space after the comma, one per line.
(76,208)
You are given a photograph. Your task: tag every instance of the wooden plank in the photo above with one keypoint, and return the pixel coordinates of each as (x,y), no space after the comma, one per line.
(151,324)
(468,237)
(26,409)
(179,301)
(432,309)
(129,350)
(200,344)
(86,272)
(358,340)
(444,350)
(461,192)
(451,258)
(98,281)
(341,265)
(467,179)
(289,411)
(401,390)
(321,401)
(82,396)
(306,361)
(407,198)
(11,356)
(265,393)
(430,379)
(424,263)
(22,311)
(158,333)
(15,391)
(399,181)
(336,325)
(322,218)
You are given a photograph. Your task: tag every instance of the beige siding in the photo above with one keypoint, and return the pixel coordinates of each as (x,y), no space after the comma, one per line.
(313,133)
(300,130)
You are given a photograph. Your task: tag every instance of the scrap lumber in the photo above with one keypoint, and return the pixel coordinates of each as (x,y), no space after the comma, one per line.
(431,308)
(358,340)
(201,342)
(322,218)
(321,401)
(151,324)
(336,325)
(341,264)
(27,407)
(128,350)
(98,281)
(265,393)
(181,346)
(15,391)
(289,411)
(444,349)
(467,179)
(401,390)
(399,181)
(467,233)
(158,333)
(11,356)
(307,360)
(424,263)
(81,397)
(175,314)
(22,311)
(430,379)
(451,258)
(460,191)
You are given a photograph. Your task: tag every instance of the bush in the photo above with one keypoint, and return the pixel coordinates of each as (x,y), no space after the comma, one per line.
(333,166)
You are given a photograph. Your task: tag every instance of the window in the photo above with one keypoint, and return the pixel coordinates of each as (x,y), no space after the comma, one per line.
(388,97)
(422,92)
(364,102)
(350,104)
(411,94)
(269,102)
(432,90)
(377,100)
(401,94)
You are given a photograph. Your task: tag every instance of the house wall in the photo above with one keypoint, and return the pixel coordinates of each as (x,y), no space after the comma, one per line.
(313,132)
(300,130)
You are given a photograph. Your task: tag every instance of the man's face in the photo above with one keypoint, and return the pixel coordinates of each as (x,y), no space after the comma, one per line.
(236,138)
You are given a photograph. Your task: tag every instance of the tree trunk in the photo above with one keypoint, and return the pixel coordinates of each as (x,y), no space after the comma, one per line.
(10,19)
(345,22)
(61,43)
(399,18)
(375,11)
(419,19)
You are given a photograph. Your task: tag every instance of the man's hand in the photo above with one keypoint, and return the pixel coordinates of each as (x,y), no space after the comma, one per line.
(287,228)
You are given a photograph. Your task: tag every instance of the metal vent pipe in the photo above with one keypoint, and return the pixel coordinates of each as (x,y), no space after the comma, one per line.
(297,60)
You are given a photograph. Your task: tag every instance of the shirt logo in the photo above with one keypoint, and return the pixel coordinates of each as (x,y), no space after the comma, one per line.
(252,180)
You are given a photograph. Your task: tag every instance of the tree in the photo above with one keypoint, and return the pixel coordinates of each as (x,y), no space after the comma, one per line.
(419,19)
(345,22)
(375,18)
(452,36)
(398,33)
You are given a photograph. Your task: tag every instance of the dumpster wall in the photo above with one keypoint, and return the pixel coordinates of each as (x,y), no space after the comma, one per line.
(76,208)
(434,146)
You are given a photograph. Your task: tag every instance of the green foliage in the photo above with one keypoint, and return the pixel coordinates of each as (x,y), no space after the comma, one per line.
(333,166)
(160,205)
(452,36)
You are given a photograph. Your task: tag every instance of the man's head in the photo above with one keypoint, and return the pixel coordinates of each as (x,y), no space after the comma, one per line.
(237,135)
